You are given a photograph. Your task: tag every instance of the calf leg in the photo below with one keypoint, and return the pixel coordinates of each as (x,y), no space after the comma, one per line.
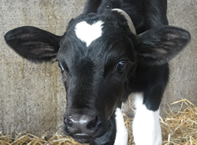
(146,126)
(121,131)
(117,133)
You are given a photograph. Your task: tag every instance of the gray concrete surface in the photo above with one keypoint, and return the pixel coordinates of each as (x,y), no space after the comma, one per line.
(32,97)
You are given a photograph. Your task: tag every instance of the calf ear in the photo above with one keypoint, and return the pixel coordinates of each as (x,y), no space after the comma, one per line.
(159,45)
(33,43)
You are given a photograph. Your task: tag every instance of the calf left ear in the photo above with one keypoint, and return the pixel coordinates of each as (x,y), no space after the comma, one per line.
(159,45)
(33,43)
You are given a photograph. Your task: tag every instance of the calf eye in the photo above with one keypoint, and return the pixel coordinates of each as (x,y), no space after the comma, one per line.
(121,66)
(60,66)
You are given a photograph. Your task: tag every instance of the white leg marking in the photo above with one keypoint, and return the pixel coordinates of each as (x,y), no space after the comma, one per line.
(88,33)
(146,127)
(121,131)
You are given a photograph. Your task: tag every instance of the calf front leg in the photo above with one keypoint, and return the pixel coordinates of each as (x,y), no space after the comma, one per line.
(121,131)
(146,126)
(117,133)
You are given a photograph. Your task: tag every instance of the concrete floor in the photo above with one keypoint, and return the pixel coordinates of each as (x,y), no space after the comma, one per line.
(32,97)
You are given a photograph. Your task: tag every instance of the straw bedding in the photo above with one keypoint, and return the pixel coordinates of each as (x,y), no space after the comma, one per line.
(178,128)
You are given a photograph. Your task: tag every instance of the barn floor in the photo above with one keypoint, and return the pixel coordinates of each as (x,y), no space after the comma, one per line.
(178,128)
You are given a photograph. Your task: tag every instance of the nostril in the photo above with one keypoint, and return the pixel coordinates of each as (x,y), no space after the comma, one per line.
(92,123)
(68,122)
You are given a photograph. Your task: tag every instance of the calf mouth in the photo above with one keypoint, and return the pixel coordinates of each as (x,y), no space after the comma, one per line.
(79,137)
(82,138)
(86,138)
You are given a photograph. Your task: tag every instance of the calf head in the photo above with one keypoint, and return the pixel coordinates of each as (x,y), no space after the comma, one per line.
(97,55)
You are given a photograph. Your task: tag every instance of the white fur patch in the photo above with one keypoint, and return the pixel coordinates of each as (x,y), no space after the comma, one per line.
(88,33)
(121,131)
(129,21)
(146,126)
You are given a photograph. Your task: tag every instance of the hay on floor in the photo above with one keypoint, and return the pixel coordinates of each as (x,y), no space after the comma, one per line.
(178,128)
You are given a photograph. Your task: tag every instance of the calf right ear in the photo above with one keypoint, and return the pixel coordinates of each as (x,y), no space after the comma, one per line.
(159,45)
(33,43)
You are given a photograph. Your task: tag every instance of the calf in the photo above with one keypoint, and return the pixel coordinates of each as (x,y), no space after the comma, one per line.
(114,49)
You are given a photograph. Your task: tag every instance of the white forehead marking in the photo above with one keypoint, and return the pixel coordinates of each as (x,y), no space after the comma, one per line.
(129,21)
(88,33)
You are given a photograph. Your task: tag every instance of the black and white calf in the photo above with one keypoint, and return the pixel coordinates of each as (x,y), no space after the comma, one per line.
(114,49)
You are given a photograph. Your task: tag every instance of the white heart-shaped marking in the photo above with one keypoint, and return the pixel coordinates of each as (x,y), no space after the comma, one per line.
(88,33)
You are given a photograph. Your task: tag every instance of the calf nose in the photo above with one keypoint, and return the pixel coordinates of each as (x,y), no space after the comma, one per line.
(81,124)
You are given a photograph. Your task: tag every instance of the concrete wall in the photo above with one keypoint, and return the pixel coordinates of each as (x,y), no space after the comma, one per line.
(32,97)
